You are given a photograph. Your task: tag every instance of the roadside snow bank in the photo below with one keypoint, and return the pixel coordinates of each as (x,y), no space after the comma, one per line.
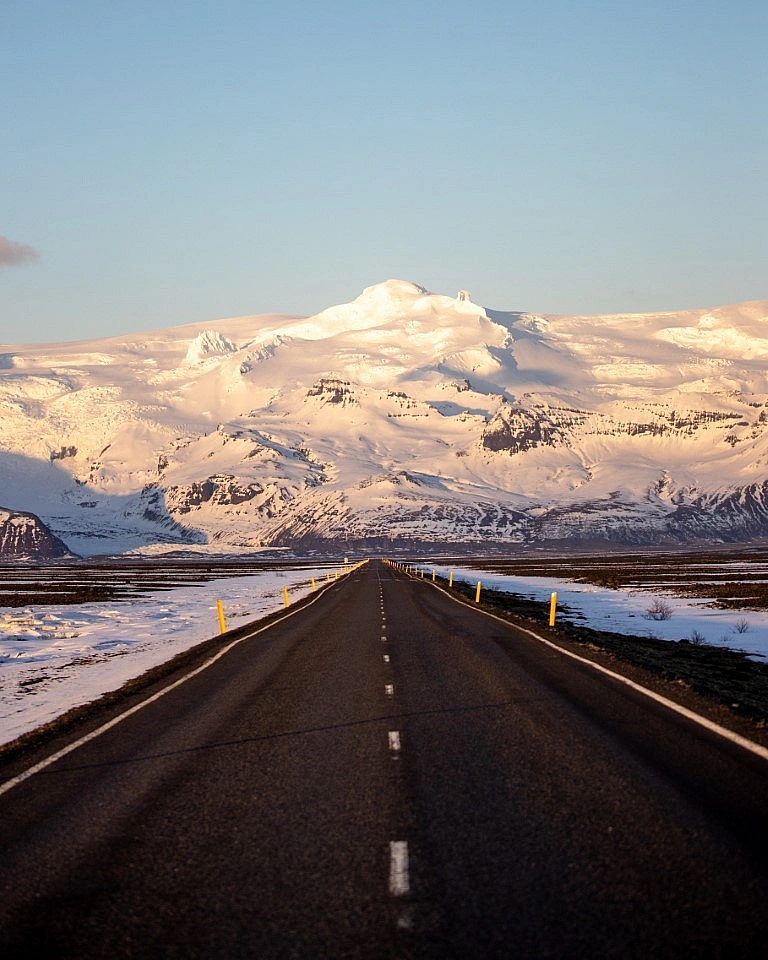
(625,611)
(54,658)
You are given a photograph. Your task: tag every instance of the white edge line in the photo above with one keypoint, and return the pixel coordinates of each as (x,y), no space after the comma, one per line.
(26,774)
(710,725)
(399,881)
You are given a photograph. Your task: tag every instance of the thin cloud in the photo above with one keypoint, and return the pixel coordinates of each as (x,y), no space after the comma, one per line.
(13,254)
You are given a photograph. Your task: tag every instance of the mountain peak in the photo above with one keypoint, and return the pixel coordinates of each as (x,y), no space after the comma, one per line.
(401,290)
(208,343)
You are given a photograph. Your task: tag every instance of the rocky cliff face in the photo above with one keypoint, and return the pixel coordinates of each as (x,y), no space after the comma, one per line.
(23,536)
(516,430)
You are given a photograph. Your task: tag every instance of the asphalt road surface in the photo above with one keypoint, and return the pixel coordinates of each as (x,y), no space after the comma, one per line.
(389,773)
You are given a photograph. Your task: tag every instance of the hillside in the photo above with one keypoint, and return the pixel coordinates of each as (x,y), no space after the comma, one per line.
(402,416)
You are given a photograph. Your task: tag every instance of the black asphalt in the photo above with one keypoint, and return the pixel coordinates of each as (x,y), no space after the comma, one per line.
(548,811)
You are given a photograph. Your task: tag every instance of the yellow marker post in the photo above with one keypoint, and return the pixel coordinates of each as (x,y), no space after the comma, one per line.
(286,602)
(222,621)
(450,579)
(314,585)
(328,576)
(552,609)
(477,592)
(433,576)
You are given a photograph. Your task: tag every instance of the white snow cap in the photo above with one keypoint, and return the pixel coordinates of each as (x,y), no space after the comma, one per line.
(208,343)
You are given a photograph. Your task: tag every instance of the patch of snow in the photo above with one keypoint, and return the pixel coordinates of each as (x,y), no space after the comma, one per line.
(54,658)
(625,610)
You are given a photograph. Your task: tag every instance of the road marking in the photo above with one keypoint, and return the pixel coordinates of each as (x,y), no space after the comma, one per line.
(386,658)
(394,741)
(399,881)
(723,732)
(384,638)
(389,689)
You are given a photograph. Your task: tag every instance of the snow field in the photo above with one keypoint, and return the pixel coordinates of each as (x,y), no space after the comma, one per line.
(626,611)
(54,658)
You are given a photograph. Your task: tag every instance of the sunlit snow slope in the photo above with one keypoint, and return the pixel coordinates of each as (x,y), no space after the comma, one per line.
(403,416)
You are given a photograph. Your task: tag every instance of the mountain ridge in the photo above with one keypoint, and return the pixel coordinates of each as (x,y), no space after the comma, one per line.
(400,416)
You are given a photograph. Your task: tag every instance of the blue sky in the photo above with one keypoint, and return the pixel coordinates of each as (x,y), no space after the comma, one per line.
(169,162)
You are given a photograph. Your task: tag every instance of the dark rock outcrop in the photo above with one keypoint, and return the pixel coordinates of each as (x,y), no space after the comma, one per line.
(23,536)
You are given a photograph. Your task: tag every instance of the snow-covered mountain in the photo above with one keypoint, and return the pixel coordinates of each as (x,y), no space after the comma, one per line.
(401,416)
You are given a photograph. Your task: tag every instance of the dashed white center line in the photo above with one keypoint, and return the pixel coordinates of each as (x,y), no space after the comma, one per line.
(394,741)
(386,658)
(399,881)
(389,689)
(384,638)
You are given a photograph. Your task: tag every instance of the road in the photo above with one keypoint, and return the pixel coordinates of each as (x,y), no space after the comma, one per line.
(389,773)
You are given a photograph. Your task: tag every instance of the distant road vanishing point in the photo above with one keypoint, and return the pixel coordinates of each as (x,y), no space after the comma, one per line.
(387,773)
